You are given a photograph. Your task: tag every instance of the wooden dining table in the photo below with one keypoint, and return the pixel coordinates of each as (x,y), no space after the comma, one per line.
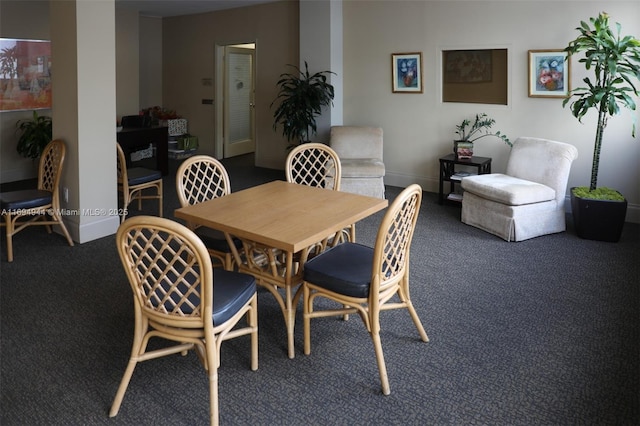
(280,224)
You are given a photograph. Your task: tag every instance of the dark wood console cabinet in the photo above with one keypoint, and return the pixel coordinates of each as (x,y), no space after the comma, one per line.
(134,139)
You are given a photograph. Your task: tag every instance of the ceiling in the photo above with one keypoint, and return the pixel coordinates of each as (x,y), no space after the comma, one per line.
(166,8)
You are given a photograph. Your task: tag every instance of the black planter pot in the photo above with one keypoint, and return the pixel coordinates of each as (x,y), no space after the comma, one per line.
(599,220)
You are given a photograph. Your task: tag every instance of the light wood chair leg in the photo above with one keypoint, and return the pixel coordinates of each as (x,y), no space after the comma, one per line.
(253,322)
(9,226)
(213,392)
(384,379)
(417,322)
(63,227)
(126,378)
(306,303)
(160,198)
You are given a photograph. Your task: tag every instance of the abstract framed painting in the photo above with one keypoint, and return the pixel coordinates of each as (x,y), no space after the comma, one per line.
(25,74)
(549,74)
(406,72)
(468,66)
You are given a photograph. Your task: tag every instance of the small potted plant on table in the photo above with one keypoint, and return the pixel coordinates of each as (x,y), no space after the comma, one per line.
(599,213)
(469,132)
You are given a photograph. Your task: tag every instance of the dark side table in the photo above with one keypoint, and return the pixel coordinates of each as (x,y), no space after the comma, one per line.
(448,168)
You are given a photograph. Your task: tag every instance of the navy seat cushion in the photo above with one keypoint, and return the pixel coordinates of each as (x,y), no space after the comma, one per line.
(25,199)
(231,291)
(138,175)
(215,240)
(345,269)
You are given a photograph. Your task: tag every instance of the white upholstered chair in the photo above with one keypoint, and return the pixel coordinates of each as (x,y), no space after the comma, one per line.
(526,201)
(360,152)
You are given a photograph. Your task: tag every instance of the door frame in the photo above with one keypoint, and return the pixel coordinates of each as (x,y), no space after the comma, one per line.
(220,65)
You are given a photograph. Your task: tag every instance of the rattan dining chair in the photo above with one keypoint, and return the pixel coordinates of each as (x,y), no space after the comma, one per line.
(316,164)
(367,280)
(202,178)
(132,181)
(40,206)
(180,297)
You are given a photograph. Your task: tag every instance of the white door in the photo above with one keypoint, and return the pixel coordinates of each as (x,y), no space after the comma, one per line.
(239,131)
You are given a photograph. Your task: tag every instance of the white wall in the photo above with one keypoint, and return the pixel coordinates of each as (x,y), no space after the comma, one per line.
(127,62)
(150,52)
(419,128)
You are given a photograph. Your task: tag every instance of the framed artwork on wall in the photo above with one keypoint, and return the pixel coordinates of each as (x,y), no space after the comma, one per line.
(25,74)
(475,75)
(549,74)
(468,66)
(406,72)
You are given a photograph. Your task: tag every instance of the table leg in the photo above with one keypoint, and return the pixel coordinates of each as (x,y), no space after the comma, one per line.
(272,275)
(290,314)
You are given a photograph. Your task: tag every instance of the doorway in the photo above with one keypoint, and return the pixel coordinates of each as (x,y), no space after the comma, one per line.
(235,117)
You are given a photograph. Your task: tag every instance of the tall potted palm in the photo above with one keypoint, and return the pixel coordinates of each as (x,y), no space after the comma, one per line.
(599,213)
(302,97)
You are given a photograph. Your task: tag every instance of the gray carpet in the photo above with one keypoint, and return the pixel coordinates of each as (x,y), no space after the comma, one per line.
(544,331)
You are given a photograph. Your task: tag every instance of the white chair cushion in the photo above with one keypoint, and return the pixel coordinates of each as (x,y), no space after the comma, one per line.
(362,167)
(507,189)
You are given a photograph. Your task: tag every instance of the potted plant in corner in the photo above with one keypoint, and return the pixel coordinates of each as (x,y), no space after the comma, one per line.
(469,133)
(599,213)
(35,134)
(302,97)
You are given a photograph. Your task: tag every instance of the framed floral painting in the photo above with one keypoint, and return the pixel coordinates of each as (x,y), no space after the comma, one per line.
(549,74)
(406,72)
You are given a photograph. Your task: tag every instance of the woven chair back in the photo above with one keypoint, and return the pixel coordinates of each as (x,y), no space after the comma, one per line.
(201,178)
(169,270)
(314,164)
(391,252)
(50,166)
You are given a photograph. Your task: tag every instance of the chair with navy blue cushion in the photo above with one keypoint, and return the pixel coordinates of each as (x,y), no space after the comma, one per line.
(180,297)
(40,206)
(132,181)
(314,164)
(318,165)
(202,178)
(366,280)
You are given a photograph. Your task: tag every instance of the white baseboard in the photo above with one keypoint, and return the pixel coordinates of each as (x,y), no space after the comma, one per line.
(83,233)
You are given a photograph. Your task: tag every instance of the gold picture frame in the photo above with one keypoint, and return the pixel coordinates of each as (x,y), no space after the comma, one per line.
(549,74)
(406,72)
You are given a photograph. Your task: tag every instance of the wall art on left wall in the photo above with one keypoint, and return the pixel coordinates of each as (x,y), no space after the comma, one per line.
(25,74)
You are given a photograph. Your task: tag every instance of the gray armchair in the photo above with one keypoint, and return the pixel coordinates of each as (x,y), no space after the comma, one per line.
(528,200)
(360,152)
